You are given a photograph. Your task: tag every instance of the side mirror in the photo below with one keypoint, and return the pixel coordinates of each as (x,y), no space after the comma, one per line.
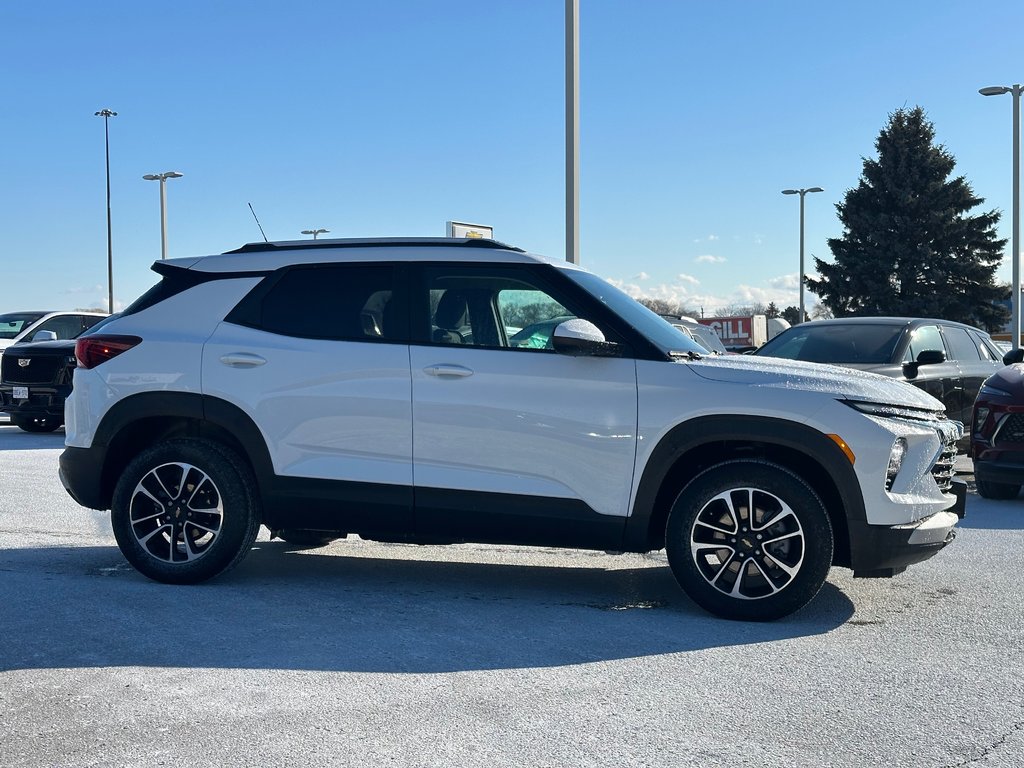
(44,336)
(1014,356)
(927,357)
(581,338)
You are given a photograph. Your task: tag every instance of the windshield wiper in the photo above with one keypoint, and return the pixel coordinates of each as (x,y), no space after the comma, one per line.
(690,355)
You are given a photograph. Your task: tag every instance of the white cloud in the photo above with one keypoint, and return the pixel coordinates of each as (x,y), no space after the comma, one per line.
(707,258)
(85,289)
(641,276)
(684,278)
(787,282)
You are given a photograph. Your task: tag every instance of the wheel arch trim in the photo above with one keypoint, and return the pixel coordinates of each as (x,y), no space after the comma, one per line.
(705,434)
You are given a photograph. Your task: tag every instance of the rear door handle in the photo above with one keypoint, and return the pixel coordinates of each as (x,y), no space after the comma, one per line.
(455,371)
(242,360)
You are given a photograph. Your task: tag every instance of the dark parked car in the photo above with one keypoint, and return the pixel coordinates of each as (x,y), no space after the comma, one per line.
(35,380)
(948,360)
(997,434)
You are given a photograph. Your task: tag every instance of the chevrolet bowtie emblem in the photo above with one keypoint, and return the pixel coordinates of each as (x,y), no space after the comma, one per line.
(23,362)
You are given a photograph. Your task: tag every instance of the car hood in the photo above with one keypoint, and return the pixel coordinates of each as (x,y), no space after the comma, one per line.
(26,348)
(846,383)
(1009,379)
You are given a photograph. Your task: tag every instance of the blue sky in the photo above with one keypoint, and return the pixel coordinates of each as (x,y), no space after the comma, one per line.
(376,119)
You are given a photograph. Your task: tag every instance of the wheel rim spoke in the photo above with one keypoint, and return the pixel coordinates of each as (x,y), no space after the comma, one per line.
(167,529)
(747,543)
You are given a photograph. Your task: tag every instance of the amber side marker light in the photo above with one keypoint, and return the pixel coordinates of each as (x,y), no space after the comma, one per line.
(843,447)
(94,350)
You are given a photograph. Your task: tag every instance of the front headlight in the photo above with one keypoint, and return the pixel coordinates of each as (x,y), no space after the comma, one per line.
(896,456)
(894,411)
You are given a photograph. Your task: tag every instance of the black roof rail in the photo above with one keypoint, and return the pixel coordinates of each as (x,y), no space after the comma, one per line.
(377,242)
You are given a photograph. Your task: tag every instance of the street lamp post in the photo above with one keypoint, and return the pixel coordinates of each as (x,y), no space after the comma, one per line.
(802,192)
(1015,90)
(315,232)
(162,178)
(106,114)
(572,131)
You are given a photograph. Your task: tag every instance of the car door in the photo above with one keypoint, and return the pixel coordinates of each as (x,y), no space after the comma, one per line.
(318,357)
(974,367)
(513,441)
(940,380)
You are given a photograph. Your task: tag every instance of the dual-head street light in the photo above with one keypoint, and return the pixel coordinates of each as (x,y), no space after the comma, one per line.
(315,232)
(162,178)
(802,192)
(1015,90)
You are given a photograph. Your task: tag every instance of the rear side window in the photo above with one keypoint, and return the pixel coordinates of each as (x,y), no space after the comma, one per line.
(985,346)
(345,302)
(961,345)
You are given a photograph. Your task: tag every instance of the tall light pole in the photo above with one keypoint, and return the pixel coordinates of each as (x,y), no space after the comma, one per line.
(572,131)
(162,178)
(999,90)
(315,232)
(802,192)
(106,114)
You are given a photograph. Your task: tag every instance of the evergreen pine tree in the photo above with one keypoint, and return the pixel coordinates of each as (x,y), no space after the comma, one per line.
(909,247)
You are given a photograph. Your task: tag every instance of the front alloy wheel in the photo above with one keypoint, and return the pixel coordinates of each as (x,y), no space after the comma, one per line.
(184,511)
(749,540)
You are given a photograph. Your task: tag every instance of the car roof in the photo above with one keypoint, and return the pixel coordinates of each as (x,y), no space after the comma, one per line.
(258,257)
(909,321)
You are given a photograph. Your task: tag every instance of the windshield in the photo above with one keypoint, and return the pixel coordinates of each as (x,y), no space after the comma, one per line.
(14,323)
(865,343)
(656,329)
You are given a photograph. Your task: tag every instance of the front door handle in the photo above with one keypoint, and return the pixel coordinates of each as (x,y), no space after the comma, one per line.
(242,360)
(455,371)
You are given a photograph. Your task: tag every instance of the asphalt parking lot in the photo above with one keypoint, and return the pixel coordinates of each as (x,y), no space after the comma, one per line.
(372,654)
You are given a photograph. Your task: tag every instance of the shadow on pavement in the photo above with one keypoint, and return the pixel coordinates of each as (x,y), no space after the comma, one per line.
(68,607)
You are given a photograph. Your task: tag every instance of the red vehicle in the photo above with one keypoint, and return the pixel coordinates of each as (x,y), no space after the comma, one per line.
(997,434)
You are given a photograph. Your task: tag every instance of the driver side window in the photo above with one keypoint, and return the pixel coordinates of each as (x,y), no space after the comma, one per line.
(927,337)
(492,308)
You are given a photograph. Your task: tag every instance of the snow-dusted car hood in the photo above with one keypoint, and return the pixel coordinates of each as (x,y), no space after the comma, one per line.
(813,377)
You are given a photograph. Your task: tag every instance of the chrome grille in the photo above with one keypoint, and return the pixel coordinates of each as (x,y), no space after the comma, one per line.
(943,470)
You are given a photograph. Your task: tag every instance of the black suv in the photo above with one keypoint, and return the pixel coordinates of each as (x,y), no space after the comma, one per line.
(35,380)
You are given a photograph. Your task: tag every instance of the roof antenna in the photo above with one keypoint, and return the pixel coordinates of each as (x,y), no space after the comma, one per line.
(259,225)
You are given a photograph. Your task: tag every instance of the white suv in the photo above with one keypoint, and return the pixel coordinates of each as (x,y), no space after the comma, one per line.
(373,387)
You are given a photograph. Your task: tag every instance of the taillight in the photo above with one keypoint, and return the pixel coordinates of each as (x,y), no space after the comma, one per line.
(93,350)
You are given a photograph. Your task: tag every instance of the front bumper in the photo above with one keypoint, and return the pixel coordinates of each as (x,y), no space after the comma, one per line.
(881,551)
(1006,467)
(42,401)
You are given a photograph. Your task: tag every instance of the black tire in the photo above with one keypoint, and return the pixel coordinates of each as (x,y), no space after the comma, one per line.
(37,423)
(185,510)
(989,490)
(305,539)
(710,532)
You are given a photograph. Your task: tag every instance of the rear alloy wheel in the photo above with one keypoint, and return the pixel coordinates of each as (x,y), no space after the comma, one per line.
(37,423)
(749,540)
(183,511)
(1001,491)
